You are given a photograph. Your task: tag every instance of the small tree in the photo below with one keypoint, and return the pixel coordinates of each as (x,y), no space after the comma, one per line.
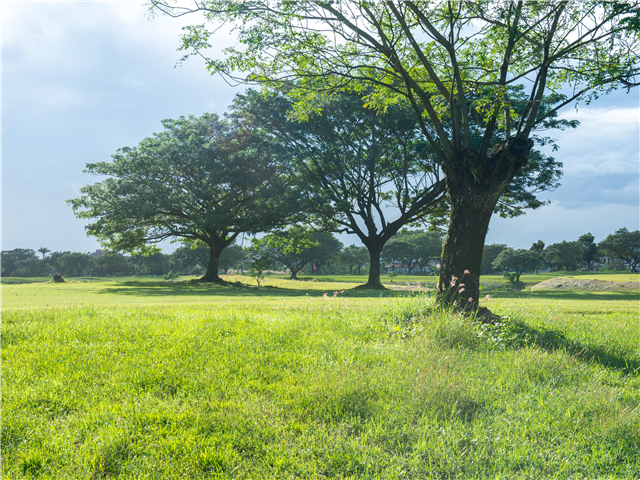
(355,257)
(515,262)
(43,251)
(260,260)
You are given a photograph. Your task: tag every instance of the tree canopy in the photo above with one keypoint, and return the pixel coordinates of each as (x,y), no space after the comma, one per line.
(202,179)
(353,163)
(455,63)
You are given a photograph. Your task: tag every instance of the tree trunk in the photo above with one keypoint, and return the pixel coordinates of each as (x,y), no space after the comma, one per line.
(463,247)
(472,203)
(212,270)
(373,282)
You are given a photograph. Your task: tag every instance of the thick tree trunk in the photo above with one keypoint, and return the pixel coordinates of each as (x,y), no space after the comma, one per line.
(473,197)
(212,270)
(375,249)
(462,253)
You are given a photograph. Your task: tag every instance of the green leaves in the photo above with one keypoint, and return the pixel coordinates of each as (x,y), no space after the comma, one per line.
(201,179)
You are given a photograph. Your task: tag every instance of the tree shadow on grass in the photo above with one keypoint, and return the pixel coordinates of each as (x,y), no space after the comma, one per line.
(513,334)
(207,290)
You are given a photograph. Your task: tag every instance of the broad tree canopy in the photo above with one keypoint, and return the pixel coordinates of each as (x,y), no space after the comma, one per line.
(202,179)
(354,163)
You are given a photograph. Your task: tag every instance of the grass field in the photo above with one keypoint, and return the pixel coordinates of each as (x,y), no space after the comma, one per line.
(138,378)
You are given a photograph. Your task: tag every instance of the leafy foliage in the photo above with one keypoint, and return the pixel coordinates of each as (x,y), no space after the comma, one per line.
(354,162)
(202,180)
(623,244)
(459,65)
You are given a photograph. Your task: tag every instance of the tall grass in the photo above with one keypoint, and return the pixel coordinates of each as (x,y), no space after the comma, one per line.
(321,387)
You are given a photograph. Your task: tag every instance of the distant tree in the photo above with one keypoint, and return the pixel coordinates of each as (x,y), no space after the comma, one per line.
(231,257)
(589,249)
(415,249)
(516,262)
(260,259)
(155,264)
(299,246)
(202,179)
(355,257)
(10,258)
(31,267)
(489,254)
(537,246)
(191,255)
(113,264)
(538,249)
(624,245)
(567,255)
(43,251)
(74,264)
(328,256)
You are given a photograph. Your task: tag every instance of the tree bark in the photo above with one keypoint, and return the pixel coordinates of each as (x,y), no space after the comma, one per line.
(375,249)
(211,274)
(473,200)
(470,215)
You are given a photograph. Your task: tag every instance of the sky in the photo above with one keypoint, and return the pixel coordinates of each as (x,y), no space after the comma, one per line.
(82,79)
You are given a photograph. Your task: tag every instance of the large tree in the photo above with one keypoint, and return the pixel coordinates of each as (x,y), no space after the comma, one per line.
(354,162)
(454,62)
(202,180)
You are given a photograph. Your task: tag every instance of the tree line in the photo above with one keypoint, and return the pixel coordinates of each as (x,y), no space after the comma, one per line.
(294,250)
(618,251)
(301,250)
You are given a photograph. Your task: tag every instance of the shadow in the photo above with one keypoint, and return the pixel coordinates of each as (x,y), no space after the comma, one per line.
(516,334)
(190,289)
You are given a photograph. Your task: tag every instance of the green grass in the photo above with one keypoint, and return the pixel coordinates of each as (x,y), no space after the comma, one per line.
(161,380)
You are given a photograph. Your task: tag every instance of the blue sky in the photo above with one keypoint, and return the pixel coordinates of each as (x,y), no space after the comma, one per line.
(82,79)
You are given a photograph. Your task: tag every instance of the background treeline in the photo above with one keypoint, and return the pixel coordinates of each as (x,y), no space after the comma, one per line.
(618,251)
(298,251)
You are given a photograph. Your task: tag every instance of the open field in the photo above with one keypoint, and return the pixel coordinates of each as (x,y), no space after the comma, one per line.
(148,379)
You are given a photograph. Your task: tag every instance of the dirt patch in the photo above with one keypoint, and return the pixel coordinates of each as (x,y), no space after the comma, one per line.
(586,284)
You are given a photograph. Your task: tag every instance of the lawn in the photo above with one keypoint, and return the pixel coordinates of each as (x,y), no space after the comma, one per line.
(150,379)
